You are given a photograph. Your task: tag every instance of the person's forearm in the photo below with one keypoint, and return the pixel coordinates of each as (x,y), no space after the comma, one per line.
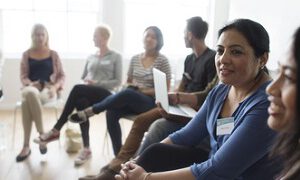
(111,84)
(178,174)
(56,86)
(181,87)
(189,99)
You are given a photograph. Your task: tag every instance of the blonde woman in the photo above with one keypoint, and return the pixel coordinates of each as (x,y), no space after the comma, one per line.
(42,76)
(102,74)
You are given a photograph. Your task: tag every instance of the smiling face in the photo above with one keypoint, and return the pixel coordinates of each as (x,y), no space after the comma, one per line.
(282,95)
(235,59)
(150,40)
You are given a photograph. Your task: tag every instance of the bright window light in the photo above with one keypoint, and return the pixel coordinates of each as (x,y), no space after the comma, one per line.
(70,24)
(169,15)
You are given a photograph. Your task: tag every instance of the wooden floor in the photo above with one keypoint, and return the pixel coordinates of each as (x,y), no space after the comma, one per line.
(57,164)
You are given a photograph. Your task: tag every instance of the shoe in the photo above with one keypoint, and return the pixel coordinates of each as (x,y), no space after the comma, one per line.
(115,163)
(84,155)
(104,168)
(108,174)
(47,137)
(78,117)
(43,148)
(20,158)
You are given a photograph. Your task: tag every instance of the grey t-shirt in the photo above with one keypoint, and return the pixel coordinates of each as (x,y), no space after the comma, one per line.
(105,71)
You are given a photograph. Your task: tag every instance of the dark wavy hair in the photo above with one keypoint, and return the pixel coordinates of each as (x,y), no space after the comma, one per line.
(159,36)
(255,33)
(287,143)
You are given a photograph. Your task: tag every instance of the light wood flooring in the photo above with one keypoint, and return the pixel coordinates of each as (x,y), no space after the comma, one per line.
(57,164)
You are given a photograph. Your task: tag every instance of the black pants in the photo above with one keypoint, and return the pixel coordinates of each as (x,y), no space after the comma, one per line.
(81,97)
(164,157)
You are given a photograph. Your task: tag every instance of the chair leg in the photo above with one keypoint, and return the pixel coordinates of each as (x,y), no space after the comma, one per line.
(56,112)
(56,116)
(105,148)
(14,127)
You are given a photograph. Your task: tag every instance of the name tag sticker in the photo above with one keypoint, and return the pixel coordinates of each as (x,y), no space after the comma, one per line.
(105,62)
(225,126)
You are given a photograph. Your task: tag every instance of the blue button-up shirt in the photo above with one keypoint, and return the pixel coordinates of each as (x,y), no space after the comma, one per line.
(242,154)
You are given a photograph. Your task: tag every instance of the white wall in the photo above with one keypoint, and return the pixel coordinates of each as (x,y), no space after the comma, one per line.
(110,13)
(280,18)
(113,15)
(218,17)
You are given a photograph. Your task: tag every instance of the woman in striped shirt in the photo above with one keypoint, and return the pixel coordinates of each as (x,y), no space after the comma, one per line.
(138,97)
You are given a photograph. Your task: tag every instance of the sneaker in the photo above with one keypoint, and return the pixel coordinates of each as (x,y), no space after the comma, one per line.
(83,156)
(78,117)
(47,137)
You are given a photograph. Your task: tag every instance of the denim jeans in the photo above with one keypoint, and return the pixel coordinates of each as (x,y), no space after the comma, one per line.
(125,102)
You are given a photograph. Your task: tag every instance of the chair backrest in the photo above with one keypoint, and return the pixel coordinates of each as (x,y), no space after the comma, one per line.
(130,117)
(57,103)
(1,93)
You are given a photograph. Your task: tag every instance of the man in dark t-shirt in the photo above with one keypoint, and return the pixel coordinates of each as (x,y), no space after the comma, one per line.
(198,71)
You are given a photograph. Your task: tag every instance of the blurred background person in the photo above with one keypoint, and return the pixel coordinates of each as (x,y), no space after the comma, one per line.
(102,74)
(284,111)
(42,76)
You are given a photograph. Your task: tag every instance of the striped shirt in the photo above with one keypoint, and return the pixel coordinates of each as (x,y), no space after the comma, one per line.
(143,77)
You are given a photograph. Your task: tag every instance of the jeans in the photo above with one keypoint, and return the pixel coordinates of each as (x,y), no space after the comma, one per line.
(125,102)
(81,97)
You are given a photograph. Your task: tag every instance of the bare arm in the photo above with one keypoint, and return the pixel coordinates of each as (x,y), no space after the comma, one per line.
(131,171)
(181,88)
(188,98)
(179,174)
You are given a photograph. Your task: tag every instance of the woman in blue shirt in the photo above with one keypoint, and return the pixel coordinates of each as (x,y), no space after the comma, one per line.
(234,116)
(284,111)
